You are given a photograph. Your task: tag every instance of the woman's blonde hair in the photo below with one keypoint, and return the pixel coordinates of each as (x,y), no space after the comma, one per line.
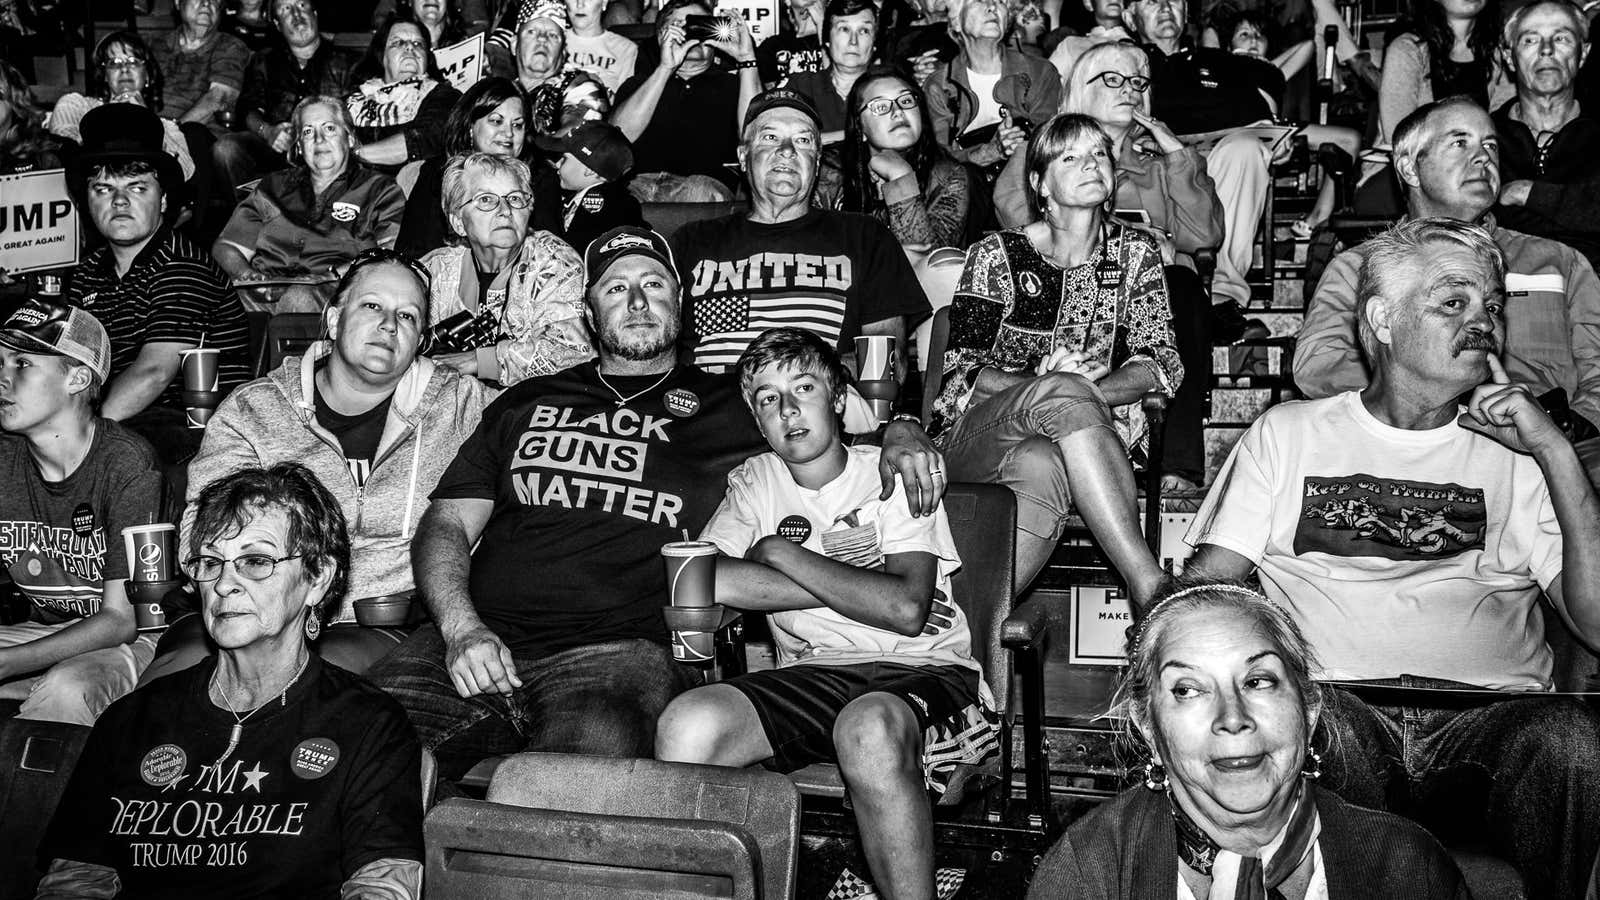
(1090,63)
(1051,141)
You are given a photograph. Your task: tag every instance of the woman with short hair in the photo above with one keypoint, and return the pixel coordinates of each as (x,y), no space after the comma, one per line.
(1057,331)
(1219,692)
(265,771)
(400,107)
(306,223)
(509,304)
(849,32)
(986,101)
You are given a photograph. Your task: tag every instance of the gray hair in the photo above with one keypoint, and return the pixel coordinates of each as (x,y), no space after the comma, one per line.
(957,10)
(1414,132)
(1580,22)
(1396,252)
(1133,701)
(453,189)
(297,118)
(1086,66)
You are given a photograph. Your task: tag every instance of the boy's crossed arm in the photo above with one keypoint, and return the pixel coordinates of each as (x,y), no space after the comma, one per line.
(778,574)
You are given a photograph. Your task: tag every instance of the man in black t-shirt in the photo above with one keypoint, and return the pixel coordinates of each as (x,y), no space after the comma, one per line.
(549,635)
(1194,90)
(786,263)
(796,49)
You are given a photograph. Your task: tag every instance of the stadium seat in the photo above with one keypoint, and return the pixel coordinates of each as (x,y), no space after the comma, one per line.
(36,760)
(591,828)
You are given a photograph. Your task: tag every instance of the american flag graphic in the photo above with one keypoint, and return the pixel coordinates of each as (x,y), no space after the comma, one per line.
(728,323)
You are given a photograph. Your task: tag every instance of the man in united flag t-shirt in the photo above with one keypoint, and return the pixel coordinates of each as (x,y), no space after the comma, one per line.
(785,263)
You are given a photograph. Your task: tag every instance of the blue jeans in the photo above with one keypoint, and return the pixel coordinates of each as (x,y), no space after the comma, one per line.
(1522,776)
(598,699)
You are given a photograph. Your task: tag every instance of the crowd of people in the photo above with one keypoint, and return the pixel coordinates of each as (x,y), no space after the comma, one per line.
(521,392)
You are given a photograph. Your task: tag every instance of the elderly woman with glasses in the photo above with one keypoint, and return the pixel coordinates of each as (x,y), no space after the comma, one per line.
(508,305)
(305,224)
(1219,693)
(260,771)
(986,101)
(123,72)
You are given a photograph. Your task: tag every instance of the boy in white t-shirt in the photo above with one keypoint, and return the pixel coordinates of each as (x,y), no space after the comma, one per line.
(604,54)
(875,669)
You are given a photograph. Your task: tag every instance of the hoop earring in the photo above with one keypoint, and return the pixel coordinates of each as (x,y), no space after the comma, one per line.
(1155,776)
(1312,767)
(313,626)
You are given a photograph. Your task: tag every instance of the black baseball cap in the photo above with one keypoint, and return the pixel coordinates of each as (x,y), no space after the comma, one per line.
(780,97)
(600,146)
(621,242)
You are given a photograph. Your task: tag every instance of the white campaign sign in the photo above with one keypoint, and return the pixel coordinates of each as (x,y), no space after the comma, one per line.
(1100,620)
(761,15)
(462,64)
(38,222)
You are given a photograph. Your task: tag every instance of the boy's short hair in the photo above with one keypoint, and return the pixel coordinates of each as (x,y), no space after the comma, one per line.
(792,348)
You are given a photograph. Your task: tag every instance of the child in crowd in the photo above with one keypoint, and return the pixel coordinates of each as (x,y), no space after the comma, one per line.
(875,669)
(595,158)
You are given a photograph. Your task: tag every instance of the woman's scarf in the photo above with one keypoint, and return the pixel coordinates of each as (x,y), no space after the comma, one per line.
(1235,877)
(377,104)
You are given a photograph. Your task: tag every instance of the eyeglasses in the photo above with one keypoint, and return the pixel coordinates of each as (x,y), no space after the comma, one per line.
(882,105)
(406,44)
(125,62)
(487,202)
(254,566)
(1116,80)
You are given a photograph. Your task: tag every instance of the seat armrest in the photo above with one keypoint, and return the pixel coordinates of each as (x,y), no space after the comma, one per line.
(458,828)
(1026,625)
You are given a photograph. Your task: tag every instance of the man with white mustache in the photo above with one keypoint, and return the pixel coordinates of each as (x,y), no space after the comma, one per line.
(1410,528)
(1447,155)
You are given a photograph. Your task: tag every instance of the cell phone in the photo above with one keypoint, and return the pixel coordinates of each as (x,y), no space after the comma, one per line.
(702,28)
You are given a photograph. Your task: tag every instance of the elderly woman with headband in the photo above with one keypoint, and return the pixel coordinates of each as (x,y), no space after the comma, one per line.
(1219,691)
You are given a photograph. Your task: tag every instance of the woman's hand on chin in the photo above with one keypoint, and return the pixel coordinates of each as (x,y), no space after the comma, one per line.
(889,165)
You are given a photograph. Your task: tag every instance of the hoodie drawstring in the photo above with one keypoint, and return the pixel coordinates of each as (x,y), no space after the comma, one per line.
(411,491)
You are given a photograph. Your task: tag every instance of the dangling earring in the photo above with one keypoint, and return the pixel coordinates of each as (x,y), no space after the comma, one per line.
(1155,776)
(1312,767)
(313,625)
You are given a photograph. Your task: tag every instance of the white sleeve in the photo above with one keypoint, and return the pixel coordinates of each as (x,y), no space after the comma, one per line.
(1237,513)
(736,525)
(901,532)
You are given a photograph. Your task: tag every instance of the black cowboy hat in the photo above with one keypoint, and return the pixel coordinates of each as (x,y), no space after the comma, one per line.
(125,132)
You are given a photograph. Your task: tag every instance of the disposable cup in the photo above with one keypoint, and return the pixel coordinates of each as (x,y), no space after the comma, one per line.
(875,357)
(152,551)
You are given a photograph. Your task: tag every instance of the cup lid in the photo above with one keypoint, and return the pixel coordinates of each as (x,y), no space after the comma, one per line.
(688,548)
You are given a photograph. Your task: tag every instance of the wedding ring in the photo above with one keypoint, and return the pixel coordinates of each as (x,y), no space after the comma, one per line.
(936,473)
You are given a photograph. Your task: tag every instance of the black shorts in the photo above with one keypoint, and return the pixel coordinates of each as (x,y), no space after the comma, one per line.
(798,704)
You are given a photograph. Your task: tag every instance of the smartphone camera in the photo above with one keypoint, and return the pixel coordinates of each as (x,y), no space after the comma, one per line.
(704,28)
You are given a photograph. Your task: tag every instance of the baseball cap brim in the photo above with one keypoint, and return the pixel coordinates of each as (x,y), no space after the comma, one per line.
(27,343)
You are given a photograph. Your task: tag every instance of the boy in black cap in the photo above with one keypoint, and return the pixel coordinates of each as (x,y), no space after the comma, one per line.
(595,161)
(155,291)
(69,482)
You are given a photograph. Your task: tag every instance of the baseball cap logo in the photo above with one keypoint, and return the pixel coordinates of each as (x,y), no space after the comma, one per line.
(624,240)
